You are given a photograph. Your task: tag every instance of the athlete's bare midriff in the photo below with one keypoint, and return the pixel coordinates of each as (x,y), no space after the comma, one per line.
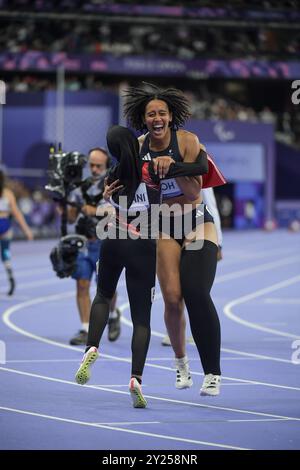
(182,201)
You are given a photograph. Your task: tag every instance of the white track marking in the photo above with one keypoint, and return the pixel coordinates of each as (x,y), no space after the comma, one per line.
(231,257)
(46,268)
(33,361)
(29,272)
(128,431)
(255,420)
(274,300)
(237,383)
(152,397)
(129,423)
(55,297)
(258,356)
(256,269)
(232,351)
(280,418)
(254,295)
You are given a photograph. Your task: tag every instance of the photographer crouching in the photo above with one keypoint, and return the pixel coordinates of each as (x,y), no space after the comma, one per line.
(88,196)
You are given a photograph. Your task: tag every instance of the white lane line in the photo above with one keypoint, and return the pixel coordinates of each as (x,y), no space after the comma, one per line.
(240,359)
(276,339)
(256,269)
(258,356)
(254,382)
(227,350)
(128,431)
(46,268)
(33,361)
(238,383)
(276,300)
(29,272)
(232,258)
(254,295)
(151,397)
(129,423)
(55,297)
(154,359)
(255,420)
(115,385)
(44,282)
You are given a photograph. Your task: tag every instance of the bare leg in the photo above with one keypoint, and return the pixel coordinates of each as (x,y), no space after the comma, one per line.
(83,299)
(168,261)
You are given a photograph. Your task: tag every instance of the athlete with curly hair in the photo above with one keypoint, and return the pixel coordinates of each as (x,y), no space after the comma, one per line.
(186,262)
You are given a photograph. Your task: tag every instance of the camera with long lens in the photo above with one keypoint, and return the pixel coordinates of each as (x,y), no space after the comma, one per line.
(63,256)
(65,173)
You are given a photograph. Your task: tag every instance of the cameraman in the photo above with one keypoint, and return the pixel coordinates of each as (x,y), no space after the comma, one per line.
(88,196)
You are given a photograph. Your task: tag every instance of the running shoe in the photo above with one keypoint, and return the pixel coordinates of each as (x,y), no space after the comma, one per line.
(137,397)
(83,374)
(114,326)
(183,375)
(79,339)
(166,341)
(211,385)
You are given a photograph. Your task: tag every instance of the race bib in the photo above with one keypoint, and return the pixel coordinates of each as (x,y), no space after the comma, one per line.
(141,200)
(169,188)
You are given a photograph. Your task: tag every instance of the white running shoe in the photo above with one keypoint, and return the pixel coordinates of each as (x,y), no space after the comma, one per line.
(83,374)
(211,385)
(183,375)
(137,397)
(166,341)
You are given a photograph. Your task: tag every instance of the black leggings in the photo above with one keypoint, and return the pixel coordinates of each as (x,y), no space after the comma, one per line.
(197,273)
(138,257)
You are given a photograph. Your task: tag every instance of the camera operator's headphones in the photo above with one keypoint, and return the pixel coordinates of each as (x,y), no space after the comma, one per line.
(103,150)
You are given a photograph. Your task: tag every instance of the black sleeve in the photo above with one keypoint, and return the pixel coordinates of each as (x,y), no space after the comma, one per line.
(113,174)
(177,169)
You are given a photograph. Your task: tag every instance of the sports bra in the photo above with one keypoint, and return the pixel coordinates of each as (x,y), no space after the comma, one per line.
(169,186)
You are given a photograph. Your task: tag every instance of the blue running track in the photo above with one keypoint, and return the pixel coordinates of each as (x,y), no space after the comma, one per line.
(257,294)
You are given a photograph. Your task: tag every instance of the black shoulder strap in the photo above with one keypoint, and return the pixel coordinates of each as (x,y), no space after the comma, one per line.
(145,146)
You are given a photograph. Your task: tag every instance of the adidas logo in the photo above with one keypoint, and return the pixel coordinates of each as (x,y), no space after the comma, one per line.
(199,213)
(147,157)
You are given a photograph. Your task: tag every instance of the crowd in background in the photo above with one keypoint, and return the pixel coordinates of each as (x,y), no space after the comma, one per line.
(184,41)
(89,5)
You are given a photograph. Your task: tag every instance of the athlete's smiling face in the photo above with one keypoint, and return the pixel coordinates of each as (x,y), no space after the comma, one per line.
(157,119)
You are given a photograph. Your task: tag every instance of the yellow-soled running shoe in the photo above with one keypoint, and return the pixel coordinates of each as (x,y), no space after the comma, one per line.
(137,397)
(83,374)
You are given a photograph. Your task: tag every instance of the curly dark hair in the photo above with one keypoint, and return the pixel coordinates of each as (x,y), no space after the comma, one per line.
(137,98)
